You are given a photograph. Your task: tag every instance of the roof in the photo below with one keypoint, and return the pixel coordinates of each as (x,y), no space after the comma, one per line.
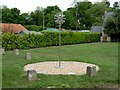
(97,29)
(107,14)
(51,30)
(15,28)
(119,5)
(29,32)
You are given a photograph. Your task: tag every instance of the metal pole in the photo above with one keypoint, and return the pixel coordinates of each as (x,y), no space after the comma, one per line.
(59,43)
(43,19)
(59,19)
(76,18)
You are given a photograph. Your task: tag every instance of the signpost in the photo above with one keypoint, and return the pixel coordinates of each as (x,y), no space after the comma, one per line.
(59,18)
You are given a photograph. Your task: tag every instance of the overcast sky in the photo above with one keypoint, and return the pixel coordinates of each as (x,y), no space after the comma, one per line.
(30,5)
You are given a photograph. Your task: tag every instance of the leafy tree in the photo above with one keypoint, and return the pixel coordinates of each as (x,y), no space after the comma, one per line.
(0,14)
(115,5)
(87,13)
(49,13)
(70,21)
(84,16)
(37,16)
(15,15)
(107,3)
(78,17)
(10,15)
(6,15)
(98,10)
(26,19)
(112,25)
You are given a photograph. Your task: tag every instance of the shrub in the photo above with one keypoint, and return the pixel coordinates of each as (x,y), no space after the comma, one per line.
(34,28)
(11,41)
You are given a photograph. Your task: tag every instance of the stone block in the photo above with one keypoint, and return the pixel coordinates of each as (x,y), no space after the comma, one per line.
(108,39)
(28,55)
(16,52)
(91,70)
(31,75)
(2,51)
(101,39)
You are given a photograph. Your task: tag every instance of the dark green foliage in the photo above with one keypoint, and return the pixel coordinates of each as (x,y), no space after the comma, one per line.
(87,13)
(37,16)
(34,28)
(11,41)
(115,5)
(112,24)
(49,14)
(11,15)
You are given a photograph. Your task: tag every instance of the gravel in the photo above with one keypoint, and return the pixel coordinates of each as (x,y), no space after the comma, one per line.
(68,67)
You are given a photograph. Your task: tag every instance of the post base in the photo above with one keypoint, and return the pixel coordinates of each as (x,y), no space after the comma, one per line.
(59,66)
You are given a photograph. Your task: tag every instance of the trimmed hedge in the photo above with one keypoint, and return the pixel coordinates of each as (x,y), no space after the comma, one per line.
(11,41)
(34,28)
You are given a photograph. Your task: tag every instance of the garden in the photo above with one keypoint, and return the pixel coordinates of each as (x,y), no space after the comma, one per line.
(66,46)
(105,55)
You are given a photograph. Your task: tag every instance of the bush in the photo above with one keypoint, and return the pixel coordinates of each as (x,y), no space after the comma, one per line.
(112,24)
(34,28)
(11,41)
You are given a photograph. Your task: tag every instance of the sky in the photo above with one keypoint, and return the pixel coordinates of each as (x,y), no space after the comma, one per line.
(30,5)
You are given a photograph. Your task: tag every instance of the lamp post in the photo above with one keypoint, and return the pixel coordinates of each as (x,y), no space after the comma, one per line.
(43,19)
(75,3)
(59,18)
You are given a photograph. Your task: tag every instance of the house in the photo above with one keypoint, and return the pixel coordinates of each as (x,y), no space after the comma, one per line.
(14,28)
(98,29)
(119,5)
(114,38)
(106,16)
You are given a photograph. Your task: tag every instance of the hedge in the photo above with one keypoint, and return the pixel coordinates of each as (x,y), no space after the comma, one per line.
(12,41)
(34,28)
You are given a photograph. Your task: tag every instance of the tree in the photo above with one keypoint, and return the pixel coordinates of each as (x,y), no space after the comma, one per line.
(70,21)
(10,15)
(26,19)
(0,14)
(97,11)
(37,16)
(107,3)
(49,13)
(6,14)
(87,13)
(115,5)
(112,25)
(84,14)
(15,15)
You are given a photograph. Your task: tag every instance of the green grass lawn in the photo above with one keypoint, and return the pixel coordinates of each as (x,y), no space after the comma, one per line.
(105,55)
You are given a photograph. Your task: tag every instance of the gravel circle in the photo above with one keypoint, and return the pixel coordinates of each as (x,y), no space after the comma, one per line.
(67,67)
